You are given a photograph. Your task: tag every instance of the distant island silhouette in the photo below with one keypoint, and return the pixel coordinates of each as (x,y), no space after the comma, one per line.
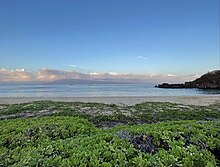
(210,80)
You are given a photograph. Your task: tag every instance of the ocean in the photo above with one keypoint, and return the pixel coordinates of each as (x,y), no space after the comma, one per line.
(93,90)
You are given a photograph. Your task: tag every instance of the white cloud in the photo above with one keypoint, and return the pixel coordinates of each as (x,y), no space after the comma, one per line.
(15,75)
(113,73)
(20,70)
(71,65)
(3,69)
(171,75)
(93,73)
(197,75)
(142,57)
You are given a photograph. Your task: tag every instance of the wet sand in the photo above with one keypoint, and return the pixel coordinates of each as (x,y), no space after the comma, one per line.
(131,100)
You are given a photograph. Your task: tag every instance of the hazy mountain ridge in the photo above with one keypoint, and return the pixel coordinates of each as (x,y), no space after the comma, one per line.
(97,81)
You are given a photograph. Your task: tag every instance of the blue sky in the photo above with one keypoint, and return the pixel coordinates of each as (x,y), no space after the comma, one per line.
(125,36)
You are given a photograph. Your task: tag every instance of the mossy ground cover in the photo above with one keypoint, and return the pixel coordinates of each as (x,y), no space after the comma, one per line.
(80,134)
(107,115)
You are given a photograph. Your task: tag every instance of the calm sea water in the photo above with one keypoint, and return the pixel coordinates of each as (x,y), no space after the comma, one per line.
(85,90)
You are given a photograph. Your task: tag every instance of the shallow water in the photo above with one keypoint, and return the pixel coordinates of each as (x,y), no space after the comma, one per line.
(91,90)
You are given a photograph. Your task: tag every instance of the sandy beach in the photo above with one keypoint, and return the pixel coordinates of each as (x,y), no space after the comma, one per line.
(132,100)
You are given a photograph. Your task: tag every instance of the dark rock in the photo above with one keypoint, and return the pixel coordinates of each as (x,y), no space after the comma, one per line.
(166,85)
(210,80)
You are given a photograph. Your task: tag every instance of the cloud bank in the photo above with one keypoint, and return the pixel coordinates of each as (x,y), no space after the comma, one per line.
(47,75)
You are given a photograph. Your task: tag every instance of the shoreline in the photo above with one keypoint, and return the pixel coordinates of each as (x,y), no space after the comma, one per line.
(120,100)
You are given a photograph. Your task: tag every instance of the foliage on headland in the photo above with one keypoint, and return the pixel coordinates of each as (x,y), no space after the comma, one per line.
(210,80)
(94,134)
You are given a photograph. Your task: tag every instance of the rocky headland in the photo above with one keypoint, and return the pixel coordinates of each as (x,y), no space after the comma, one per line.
(210,80)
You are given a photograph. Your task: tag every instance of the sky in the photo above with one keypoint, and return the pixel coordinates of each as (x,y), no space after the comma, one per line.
(138,37)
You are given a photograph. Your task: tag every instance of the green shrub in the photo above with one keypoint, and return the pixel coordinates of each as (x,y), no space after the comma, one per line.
(72,141)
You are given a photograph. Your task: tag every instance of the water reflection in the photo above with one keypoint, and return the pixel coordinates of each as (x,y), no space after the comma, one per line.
(210,91)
